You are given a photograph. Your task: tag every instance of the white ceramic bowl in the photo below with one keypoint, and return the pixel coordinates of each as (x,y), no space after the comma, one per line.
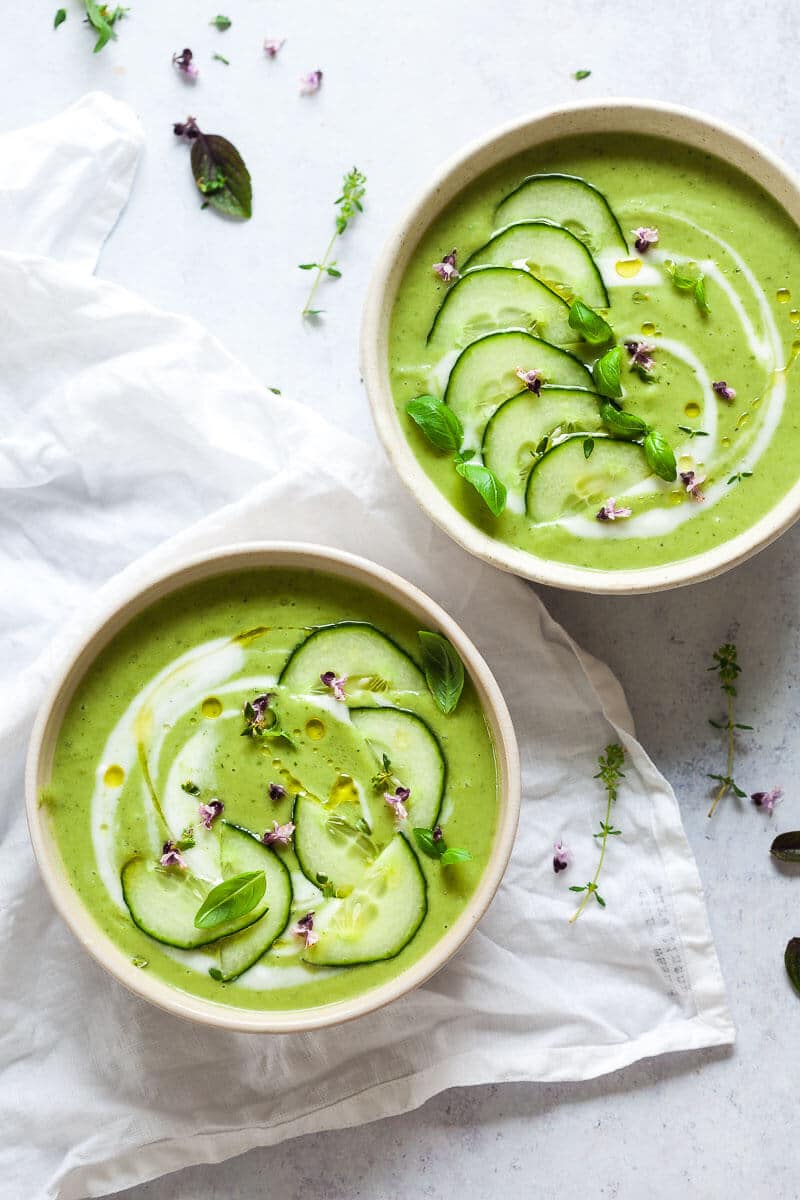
(93,641)
(594,117)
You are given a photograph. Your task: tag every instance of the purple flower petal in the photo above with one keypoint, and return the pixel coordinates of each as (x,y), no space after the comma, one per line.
(209,812)
(310,83)
(446,269)
(273,45)
(562,857)
(641,356)
(437,833)
(767,800)
(532,379)
(256,712)
(692,483)
(397,801)
(171,856)
(276,792)
(335,683)
(279,835)
(723,391)
(611,511)
(646,236)
(305,929)
(186,64)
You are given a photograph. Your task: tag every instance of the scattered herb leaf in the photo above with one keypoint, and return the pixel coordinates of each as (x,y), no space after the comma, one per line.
(739,476)
(219,171)
(791,959)
(221,58)
(692,433)
(221,23)
(102,20)
(232,898)
(444,670)
(688,277)
(59,18)
(216,974)
(581,75)
(588,447)
(348,204)
(786,847)
(438,422)
(190,788)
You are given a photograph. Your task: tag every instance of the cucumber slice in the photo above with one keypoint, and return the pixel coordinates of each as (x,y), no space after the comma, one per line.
(551,253)
(414,753)
(564,482)
(571,202)
(370,660)
(489,298)
(241,950)
(328,841)
(484,375)
(163,903)
(379,918)
(518,427)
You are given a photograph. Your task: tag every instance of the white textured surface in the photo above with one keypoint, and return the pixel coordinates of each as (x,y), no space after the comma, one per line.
(404,86)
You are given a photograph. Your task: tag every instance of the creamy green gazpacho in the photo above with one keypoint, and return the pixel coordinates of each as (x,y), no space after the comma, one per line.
(591,352)
(271,790)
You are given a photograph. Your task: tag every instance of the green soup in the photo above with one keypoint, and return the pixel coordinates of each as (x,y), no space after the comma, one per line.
(257,798)
(702,323)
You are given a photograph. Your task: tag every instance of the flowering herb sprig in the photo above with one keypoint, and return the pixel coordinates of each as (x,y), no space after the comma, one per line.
(432,843)
(726,664)
(610,773)
(348,204)
(184,62)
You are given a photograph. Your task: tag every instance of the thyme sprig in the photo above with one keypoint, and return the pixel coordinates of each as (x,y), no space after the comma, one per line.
(348,204)
(610,773)
(727,666)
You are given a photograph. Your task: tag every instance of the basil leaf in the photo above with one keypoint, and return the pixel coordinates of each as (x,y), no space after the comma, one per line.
(700,297)
(588,447)
(688,277)
(221,176)
(786,847)
(96,18)
(623,424)
(659,455)
(589,324)
(59,18)
(437,421)
(232,898)
(222,23)
(455,855)
(791,958)
(444,670)
(491,489)
(581,75)
(607,373)
(428,844)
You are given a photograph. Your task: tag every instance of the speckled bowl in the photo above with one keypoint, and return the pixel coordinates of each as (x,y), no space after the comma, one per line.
(94,639)
(595,117)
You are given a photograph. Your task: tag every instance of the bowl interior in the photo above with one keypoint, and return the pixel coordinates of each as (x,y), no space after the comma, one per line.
(94,640)
(597,117)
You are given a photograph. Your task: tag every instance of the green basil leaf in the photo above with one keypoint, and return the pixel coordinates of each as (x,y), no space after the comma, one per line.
(96,18)
(230,899)
(622,424)
(221,176)
(444,670)
(491,489)
(455,855)
(589,324)
(437,421)
(588,447)
(581,75)
(428,844)
(791,958)
(59,18)
(222,23)
(659,455)
(786,847)
(607,373)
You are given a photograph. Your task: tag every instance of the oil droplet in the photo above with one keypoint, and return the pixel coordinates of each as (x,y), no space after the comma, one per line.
(743,419)
(726,441)
(628,268)
(648,328)
(114,776)
(640,297)
(754,403)
(685,462)
(794,316)
(783,295)
(315,729)
(344,791)
(676,497)
(692,409)
(795,348)
(211,707)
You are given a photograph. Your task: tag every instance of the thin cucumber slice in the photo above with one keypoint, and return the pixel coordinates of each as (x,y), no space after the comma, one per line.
(551,253)
(489,298)
(330,842)
(518,427)
(241,950)
(571,202)
(484,375)
(163,902)
(379,918)
(415,756)
(564,482)
(370,660)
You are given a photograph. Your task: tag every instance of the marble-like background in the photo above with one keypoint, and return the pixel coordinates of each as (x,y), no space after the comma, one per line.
(404,86)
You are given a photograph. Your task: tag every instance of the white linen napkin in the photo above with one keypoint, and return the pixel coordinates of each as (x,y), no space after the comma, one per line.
(121,426)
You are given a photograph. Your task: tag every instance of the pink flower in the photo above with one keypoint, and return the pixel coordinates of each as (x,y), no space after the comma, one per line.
(171,856)
(209,812)
(276,792)
(305,929)
(279,835)
(767,800)
(531,379)
(273,45)
(646,236)
(185,64)
(723,391)
(336,684)
(562,857)
(310,83)
(692,484)
(611,511)
(641,357)
(446,269)
(397,801)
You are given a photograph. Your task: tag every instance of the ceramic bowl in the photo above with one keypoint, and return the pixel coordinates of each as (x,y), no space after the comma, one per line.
(594,118)
(97,635)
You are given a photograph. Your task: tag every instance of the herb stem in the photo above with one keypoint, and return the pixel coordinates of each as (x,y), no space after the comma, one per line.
(320,271)
(603,843)
(726,783)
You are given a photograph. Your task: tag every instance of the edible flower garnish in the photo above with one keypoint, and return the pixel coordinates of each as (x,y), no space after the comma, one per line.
(209,812)
(171,856)
(692,484)
(641,358)
(273,45)
(279,835)
(531,379)
(397,801)
(276,792)
(723,391)
(305,929)
(646,236)
(310,83)
(611,511)
(185,64)
(767,800)
(336,684)
(562,857)
(437,833)
(257,715)
(446,269)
